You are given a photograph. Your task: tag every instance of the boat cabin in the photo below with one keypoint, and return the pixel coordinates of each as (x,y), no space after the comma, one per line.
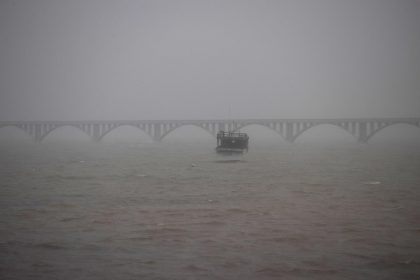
(232,142)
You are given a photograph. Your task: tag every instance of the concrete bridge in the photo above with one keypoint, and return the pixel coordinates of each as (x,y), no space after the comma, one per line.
(288,129)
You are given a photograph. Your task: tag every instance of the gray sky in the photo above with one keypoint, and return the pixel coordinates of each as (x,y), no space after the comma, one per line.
(104,59)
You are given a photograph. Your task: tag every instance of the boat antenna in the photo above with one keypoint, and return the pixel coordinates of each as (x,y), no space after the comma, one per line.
(230,118)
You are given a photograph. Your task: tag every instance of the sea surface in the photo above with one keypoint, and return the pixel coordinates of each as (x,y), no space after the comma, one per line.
(79,210)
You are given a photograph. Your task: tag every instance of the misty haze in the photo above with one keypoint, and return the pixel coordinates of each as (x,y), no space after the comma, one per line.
(111,163)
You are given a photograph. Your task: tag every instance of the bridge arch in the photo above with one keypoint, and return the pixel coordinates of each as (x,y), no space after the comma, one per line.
(54,129)
(271,129)
(398,127)
(178,126)
(335,128)
(11,129)
(123,126)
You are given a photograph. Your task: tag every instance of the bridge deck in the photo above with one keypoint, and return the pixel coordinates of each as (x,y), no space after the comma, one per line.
(361,128)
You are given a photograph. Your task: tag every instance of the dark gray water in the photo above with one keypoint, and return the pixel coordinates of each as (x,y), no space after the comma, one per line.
(180,211)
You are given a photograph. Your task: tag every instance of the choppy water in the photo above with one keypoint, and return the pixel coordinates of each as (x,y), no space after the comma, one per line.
(179,211)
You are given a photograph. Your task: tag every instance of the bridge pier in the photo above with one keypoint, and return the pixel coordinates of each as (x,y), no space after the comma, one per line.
(157,132)
(289,132)
(96,132)
(362,134)
(38,133)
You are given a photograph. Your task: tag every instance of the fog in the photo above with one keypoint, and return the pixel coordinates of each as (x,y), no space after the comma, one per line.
(133,197)
(103,59)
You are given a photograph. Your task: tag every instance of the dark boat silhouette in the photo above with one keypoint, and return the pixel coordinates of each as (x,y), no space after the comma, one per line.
(232,142)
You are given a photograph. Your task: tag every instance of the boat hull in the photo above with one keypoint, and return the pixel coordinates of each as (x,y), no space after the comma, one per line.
(230,150)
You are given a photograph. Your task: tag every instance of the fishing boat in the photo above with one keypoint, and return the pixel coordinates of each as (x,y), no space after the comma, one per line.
(232,142)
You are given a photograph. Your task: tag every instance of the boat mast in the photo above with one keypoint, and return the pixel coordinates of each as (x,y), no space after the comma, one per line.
(231,128)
